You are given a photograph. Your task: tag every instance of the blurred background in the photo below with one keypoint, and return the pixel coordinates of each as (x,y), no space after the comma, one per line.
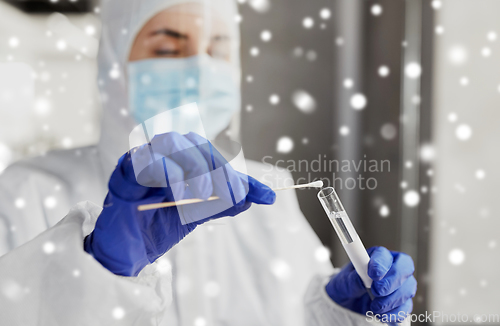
(414,83)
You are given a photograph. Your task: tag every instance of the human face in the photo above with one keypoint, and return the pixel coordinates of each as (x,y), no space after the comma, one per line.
(182,31)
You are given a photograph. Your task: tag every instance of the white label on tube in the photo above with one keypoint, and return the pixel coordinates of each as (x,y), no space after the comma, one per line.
(356,250)
(359,258)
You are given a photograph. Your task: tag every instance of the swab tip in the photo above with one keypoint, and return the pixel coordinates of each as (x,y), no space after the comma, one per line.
(316,184)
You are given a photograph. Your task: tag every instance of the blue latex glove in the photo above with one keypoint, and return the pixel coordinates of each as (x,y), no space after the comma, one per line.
(125,240)
(393,286)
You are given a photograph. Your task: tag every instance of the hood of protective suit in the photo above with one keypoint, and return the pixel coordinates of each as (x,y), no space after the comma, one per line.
(121,22)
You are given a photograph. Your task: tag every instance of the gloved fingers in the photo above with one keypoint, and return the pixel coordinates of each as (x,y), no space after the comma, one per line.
(259,193)
(131,162)
(237,209)
(186,155)
(362,304)
(226,181)
(397,298)
(402,268)
(346,285)
(211,154)
(163,174)
(123,183)
(380,262)
(175,175)
(144,166)
(141,166)
(399,314)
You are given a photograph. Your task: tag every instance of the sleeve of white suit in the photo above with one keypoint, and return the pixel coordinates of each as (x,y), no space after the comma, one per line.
(51,280)
(321,310)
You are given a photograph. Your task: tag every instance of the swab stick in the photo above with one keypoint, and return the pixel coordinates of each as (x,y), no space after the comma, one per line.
(316,184)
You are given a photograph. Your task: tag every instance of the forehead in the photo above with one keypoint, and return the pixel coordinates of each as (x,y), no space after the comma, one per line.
(189,18)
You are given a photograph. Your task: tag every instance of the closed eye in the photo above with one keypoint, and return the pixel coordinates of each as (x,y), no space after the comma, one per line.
(167,52)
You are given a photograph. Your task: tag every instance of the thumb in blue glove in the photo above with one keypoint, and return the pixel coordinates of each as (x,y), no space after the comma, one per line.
(125,240)
(393,286)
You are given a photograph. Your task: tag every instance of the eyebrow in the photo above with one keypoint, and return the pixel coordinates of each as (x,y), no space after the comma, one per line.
(169,32)
(221,38)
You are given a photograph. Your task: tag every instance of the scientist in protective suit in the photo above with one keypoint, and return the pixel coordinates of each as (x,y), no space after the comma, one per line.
(67,261)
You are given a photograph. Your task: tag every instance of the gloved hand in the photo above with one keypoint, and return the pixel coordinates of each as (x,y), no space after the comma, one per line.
(125,240)
(393,286)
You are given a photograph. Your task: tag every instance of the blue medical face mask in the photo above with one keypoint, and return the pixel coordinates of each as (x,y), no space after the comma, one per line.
(158,85)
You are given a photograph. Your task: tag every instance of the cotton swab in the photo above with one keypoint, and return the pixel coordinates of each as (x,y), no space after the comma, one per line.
(316,184)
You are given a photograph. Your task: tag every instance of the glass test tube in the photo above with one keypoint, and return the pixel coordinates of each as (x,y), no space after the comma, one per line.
(346,233)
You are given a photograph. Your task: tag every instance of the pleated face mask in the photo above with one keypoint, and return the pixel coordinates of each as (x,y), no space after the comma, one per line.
(162,84)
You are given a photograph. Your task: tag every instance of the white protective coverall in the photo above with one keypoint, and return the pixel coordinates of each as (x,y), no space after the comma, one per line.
(257,269)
